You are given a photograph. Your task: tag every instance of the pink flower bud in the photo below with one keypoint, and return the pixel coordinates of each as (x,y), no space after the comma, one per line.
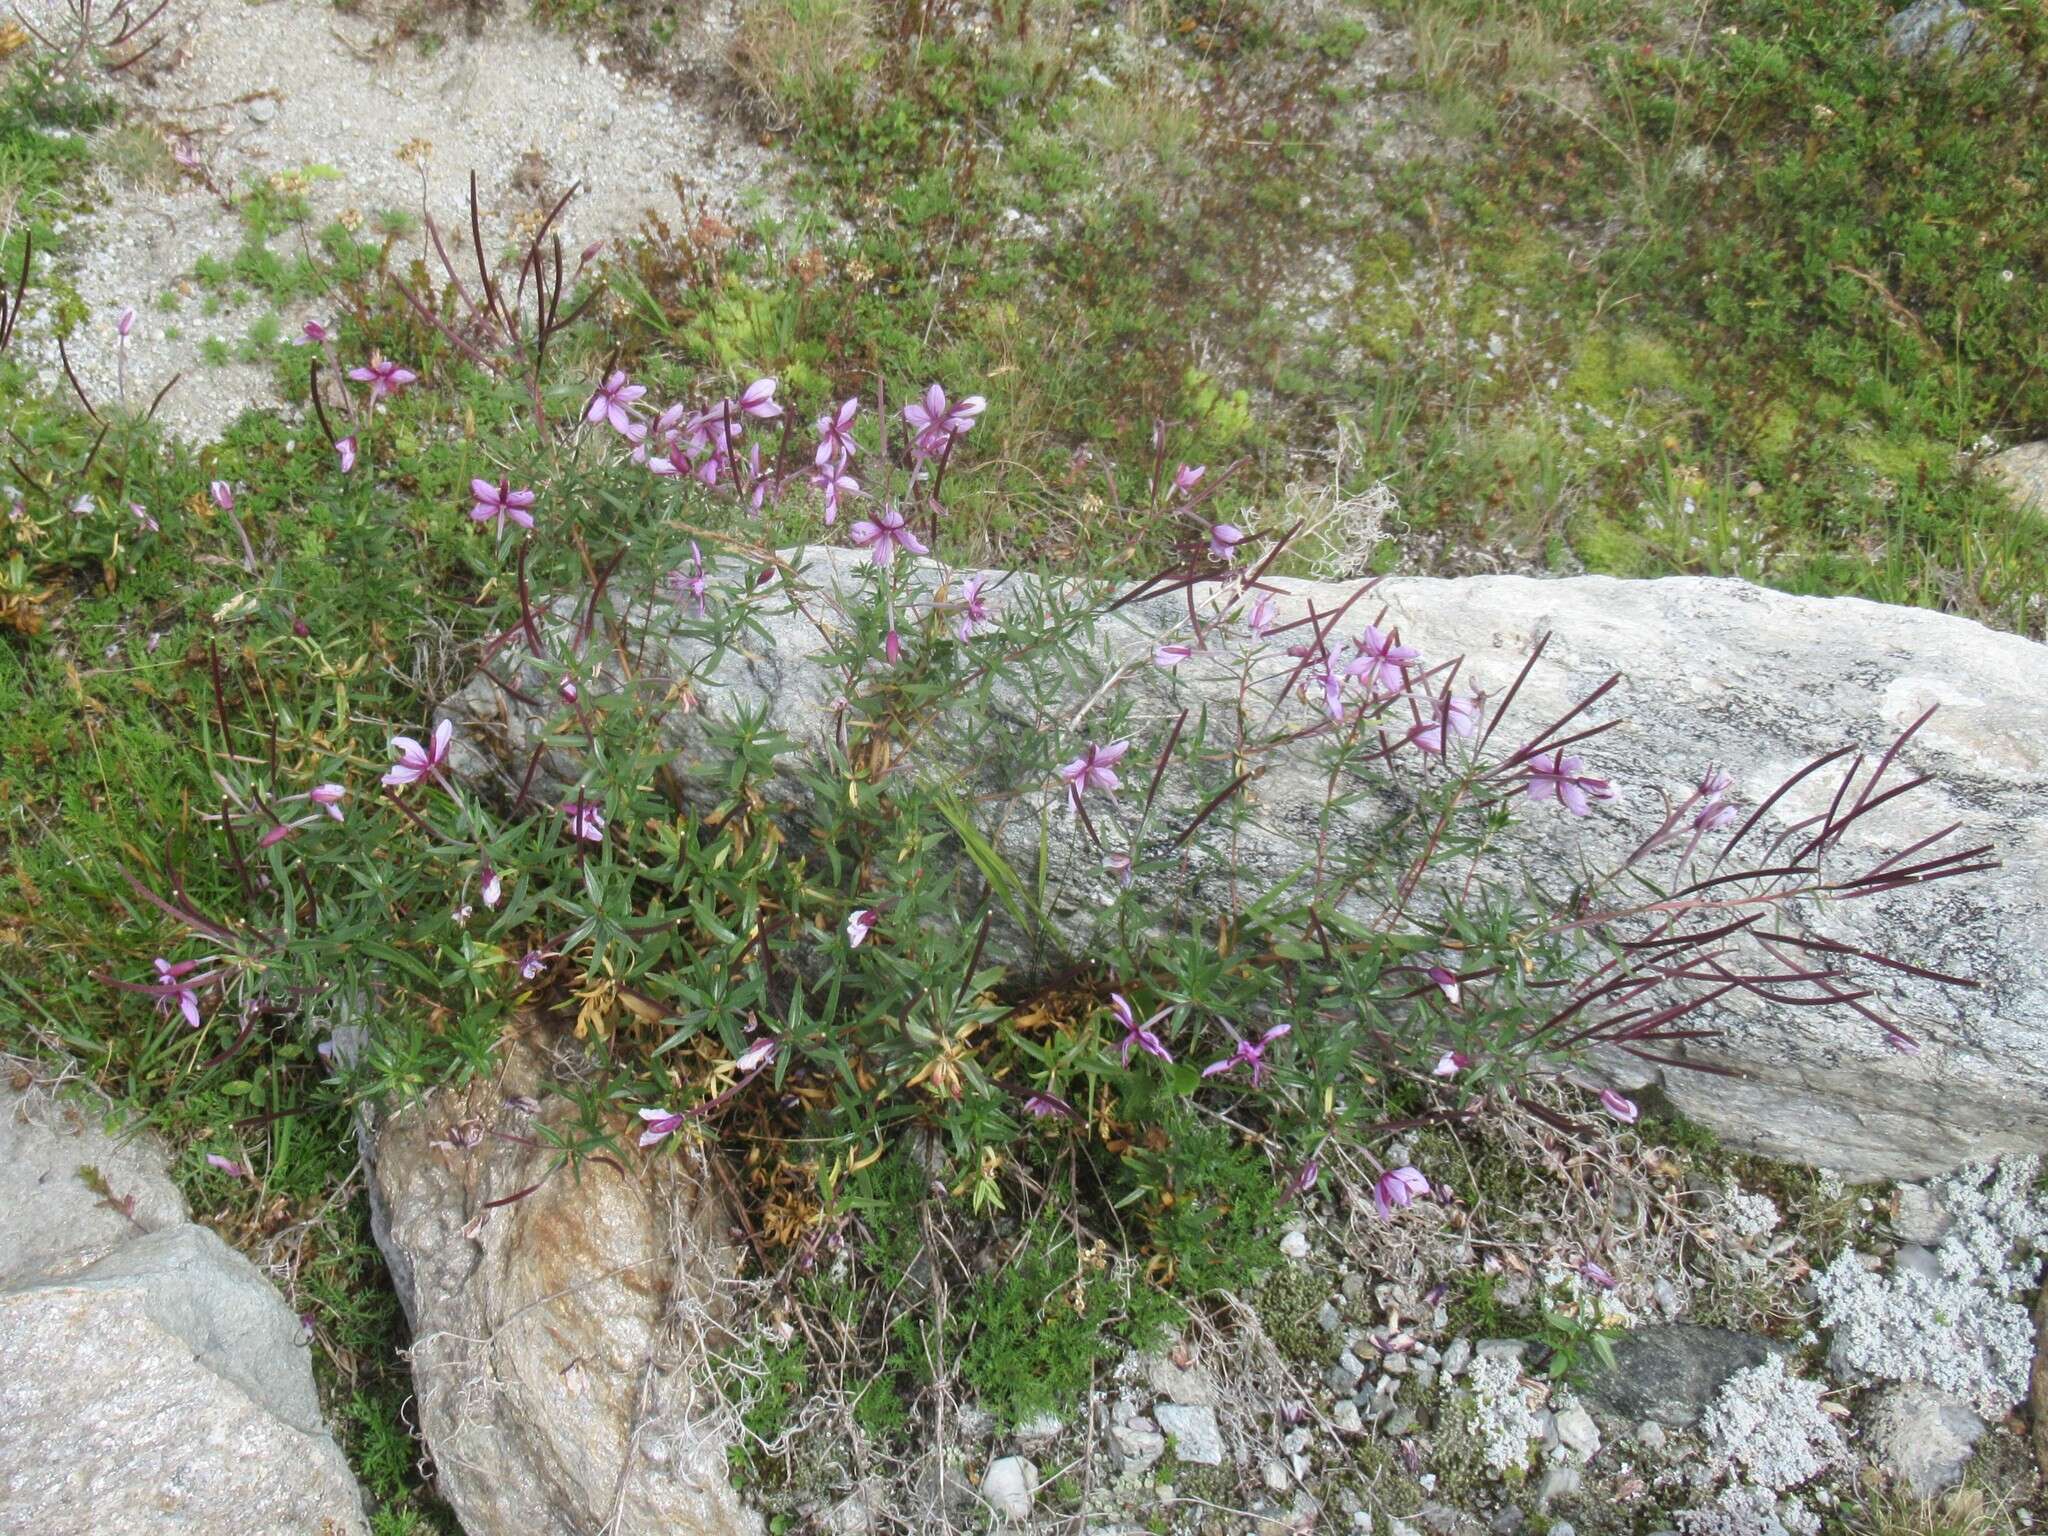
(223,495)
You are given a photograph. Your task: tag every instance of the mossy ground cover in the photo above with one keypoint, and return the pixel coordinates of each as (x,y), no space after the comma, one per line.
(1628,290)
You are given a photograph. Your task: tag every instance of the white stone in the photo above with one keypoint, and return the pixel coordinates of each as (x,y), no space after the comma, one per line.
(1192,1431)
(1009,1486)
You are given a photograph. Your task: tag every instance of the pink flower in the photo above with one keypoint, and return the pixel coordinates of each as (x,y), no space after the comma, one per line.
(500,502)
(935,423)
(1263,613)
(892,647)
(858,927)
(223,495)
(1167,657)
(493,888)
(531,964)
(690,584)
(173,986)
(1047,1106)
(345,451)
(416,762)
(313,331)
(1446,982)
(568,691)
(1553,776)
(142,516)
(835,484)
(613,402)
(660,1123)
(758,401)
(835,434)
(1249,1053)
(882,537)
(758,1055)
(226,1165)
(1381,661)
(124,322)
(1397,1189)
(1450,1064)
(1598,1276)
(1223,541)
(1622,1109)
(384,378)
(586,820)
(1187,477)
(1118,867)
(1715,814)
(1093,769)
(1304,1179)
(1454,717)
(328,797)
(1138,1036)
(973,608)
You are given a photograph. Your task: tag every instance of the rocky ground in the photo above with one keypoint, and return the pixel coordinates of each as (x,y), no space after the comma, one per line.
(375,123)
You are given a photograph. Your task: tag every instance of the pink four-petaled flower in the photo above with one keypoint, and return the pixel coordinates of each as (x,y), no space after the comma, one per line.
(1142,1037)
(500,503)
(416,762)
(934,422)
(586,820)
(1093,769)
(1554,776)
(383,377)
(1381,660)
(1250,1053)
(613,402)
(882,537)
(1397,1189)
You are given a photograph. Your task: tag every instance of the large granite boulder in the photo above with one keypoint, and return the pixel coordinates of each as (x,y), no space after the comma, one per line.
(1715,672)
(151,1379)
(562,1317)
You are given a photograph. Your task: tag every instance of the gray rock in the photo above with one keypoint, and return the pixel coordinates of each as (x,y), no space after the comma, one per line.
(1716,672)
(1920,1217)
(1914,1259)
(1346,1373)
(1558,1483)
(1502,1349)
(1008,1487)
(1650,1435)
(2025,472)
(1345,1417)
(1457,1354)
(151,1381)
(1922,1435)
(559,1357)
(1041,1430)
(1329,1319)
(1276,1476)
(1193,1432)
(1134,1439)
(1669,1374)
(1193,1385)
(1577,1432)
(1928,28)
(261,110)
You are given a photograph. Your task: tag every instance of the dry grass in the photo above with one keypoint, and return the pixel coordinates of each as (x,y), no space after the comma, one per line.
(788,51)
(1963,1512)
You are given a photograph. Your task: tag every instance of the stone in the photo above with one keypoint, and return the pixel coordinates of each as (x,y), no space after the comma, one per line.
(1922,1435)
(1345,1418)
(1558,1483)
(1276,1476)
(2025,472)
(1135,1440)
(1193,1385)
(1577,1432)
(1457,1354)
(1295,1245)
(1329,1319)
(1714,672)
(152,1380)
(1670,1373)
(1346,1373)
(1042,1430)
(1192,1431)
(1918,1216)
(1650,1435)
(1929,28)
(561,1336)
(1008,1487)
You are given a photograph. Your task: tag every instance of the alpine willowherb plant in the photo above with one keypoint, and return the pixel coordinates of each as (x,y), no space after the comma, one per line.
(824,843)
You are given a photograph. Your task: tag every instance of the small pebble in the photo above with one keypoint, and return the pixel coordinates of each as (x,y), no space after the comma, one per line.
(1295,1245)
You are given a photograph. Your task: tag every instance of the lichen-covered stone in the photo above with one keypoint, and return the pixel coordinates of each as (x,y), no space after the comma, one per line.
(561,1335)
(1716,672)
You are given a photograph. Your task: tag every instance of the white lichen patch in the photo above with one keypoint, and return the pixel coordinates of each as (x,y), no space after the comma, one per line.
(1502,1420)
(1963,1330)
(1768,1428)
